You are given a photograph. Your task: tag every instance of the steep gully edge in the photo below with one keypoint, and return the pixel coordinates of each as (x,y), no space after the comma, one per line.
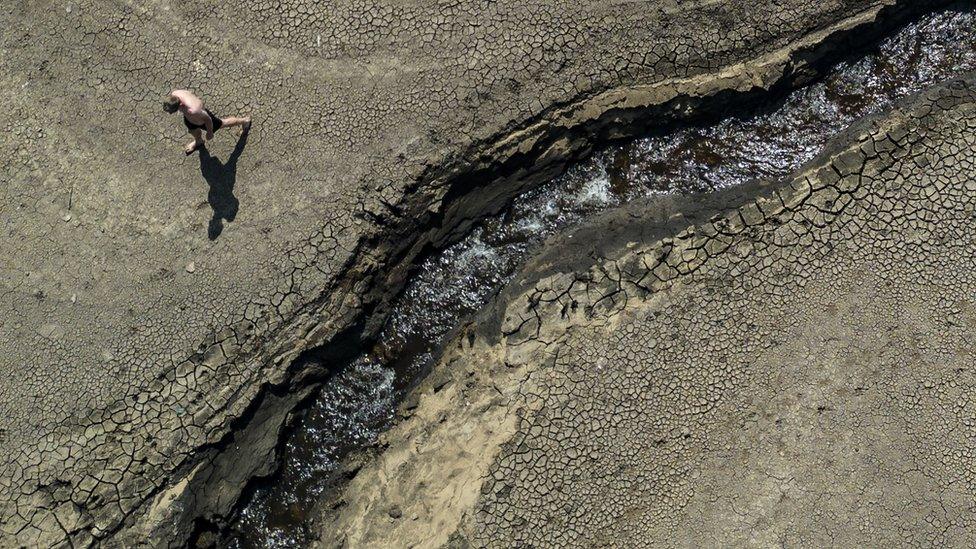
(444,203)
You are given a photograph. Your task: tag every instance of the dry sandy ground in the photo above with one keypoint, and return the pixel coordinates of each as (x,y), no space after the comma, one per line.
(151,305)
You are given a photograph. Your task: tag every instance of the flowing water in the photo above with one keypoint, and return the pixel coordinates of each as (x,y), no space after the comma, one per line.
(359,402)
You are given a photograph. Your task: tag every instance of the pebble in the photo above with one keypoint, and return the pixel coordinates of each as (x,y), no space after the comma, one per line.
(190,267)
(51,331)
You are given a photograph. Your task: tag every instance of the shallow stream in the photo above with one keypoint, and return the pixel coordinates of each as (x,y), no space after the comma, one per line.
(359,402)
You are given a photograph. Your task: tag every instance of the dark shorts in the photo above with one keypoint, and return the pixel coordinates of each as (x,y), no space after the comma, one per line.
(190,126)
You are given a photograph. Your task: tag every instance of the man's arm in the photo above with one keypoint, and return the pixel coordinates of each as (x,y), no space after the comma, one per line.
(208,123)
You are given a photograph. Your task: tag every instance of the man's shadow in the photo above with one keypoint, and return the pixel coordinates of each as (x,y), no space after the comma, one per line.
(221,176)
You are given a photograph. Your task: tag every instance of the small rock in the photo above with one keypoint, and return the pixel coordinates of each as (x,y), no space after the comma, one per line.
(66,217)
(395,512)
(190,267)
(51,331)
(74,298)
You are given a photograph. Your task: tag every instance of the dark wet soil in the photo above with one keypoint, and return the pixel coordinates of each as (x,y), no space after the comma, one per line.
(359,402)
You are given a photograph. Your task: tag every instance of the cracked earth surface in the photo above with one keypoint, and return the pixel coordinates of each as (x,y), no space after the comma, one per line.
(795,371)
(132,345)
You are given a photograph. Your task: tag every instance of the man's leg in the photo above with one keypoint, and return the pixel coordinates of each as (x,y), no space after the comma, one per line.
(197,141)
(232,121)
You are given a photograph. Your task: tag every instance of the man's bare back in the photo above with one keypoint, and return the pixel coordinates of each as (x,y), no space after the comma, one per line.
(198,119)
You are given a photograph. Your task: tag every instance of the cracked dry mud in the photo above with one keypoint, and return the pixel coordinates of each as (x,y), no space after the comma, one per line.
(148,369)
(795,371)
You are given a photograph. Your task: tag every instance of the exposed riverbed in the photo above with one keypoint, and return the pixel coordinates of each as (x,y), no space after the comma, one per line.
(359,402)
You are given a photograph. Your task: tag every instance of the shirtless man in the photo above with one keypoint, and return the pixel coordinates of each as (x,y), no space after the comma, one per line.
(197,118)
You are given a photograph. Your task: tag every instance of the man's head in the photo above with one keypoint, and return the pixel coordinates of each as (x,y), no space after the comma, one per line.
(171,104)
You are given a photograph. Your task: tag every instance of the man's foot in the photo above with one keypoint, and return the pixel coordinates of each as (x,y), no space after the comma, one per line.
(190,147)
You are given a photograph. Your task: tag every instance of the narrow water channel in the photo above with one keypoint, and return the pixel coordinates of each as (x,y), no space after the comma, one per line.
(358,403)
